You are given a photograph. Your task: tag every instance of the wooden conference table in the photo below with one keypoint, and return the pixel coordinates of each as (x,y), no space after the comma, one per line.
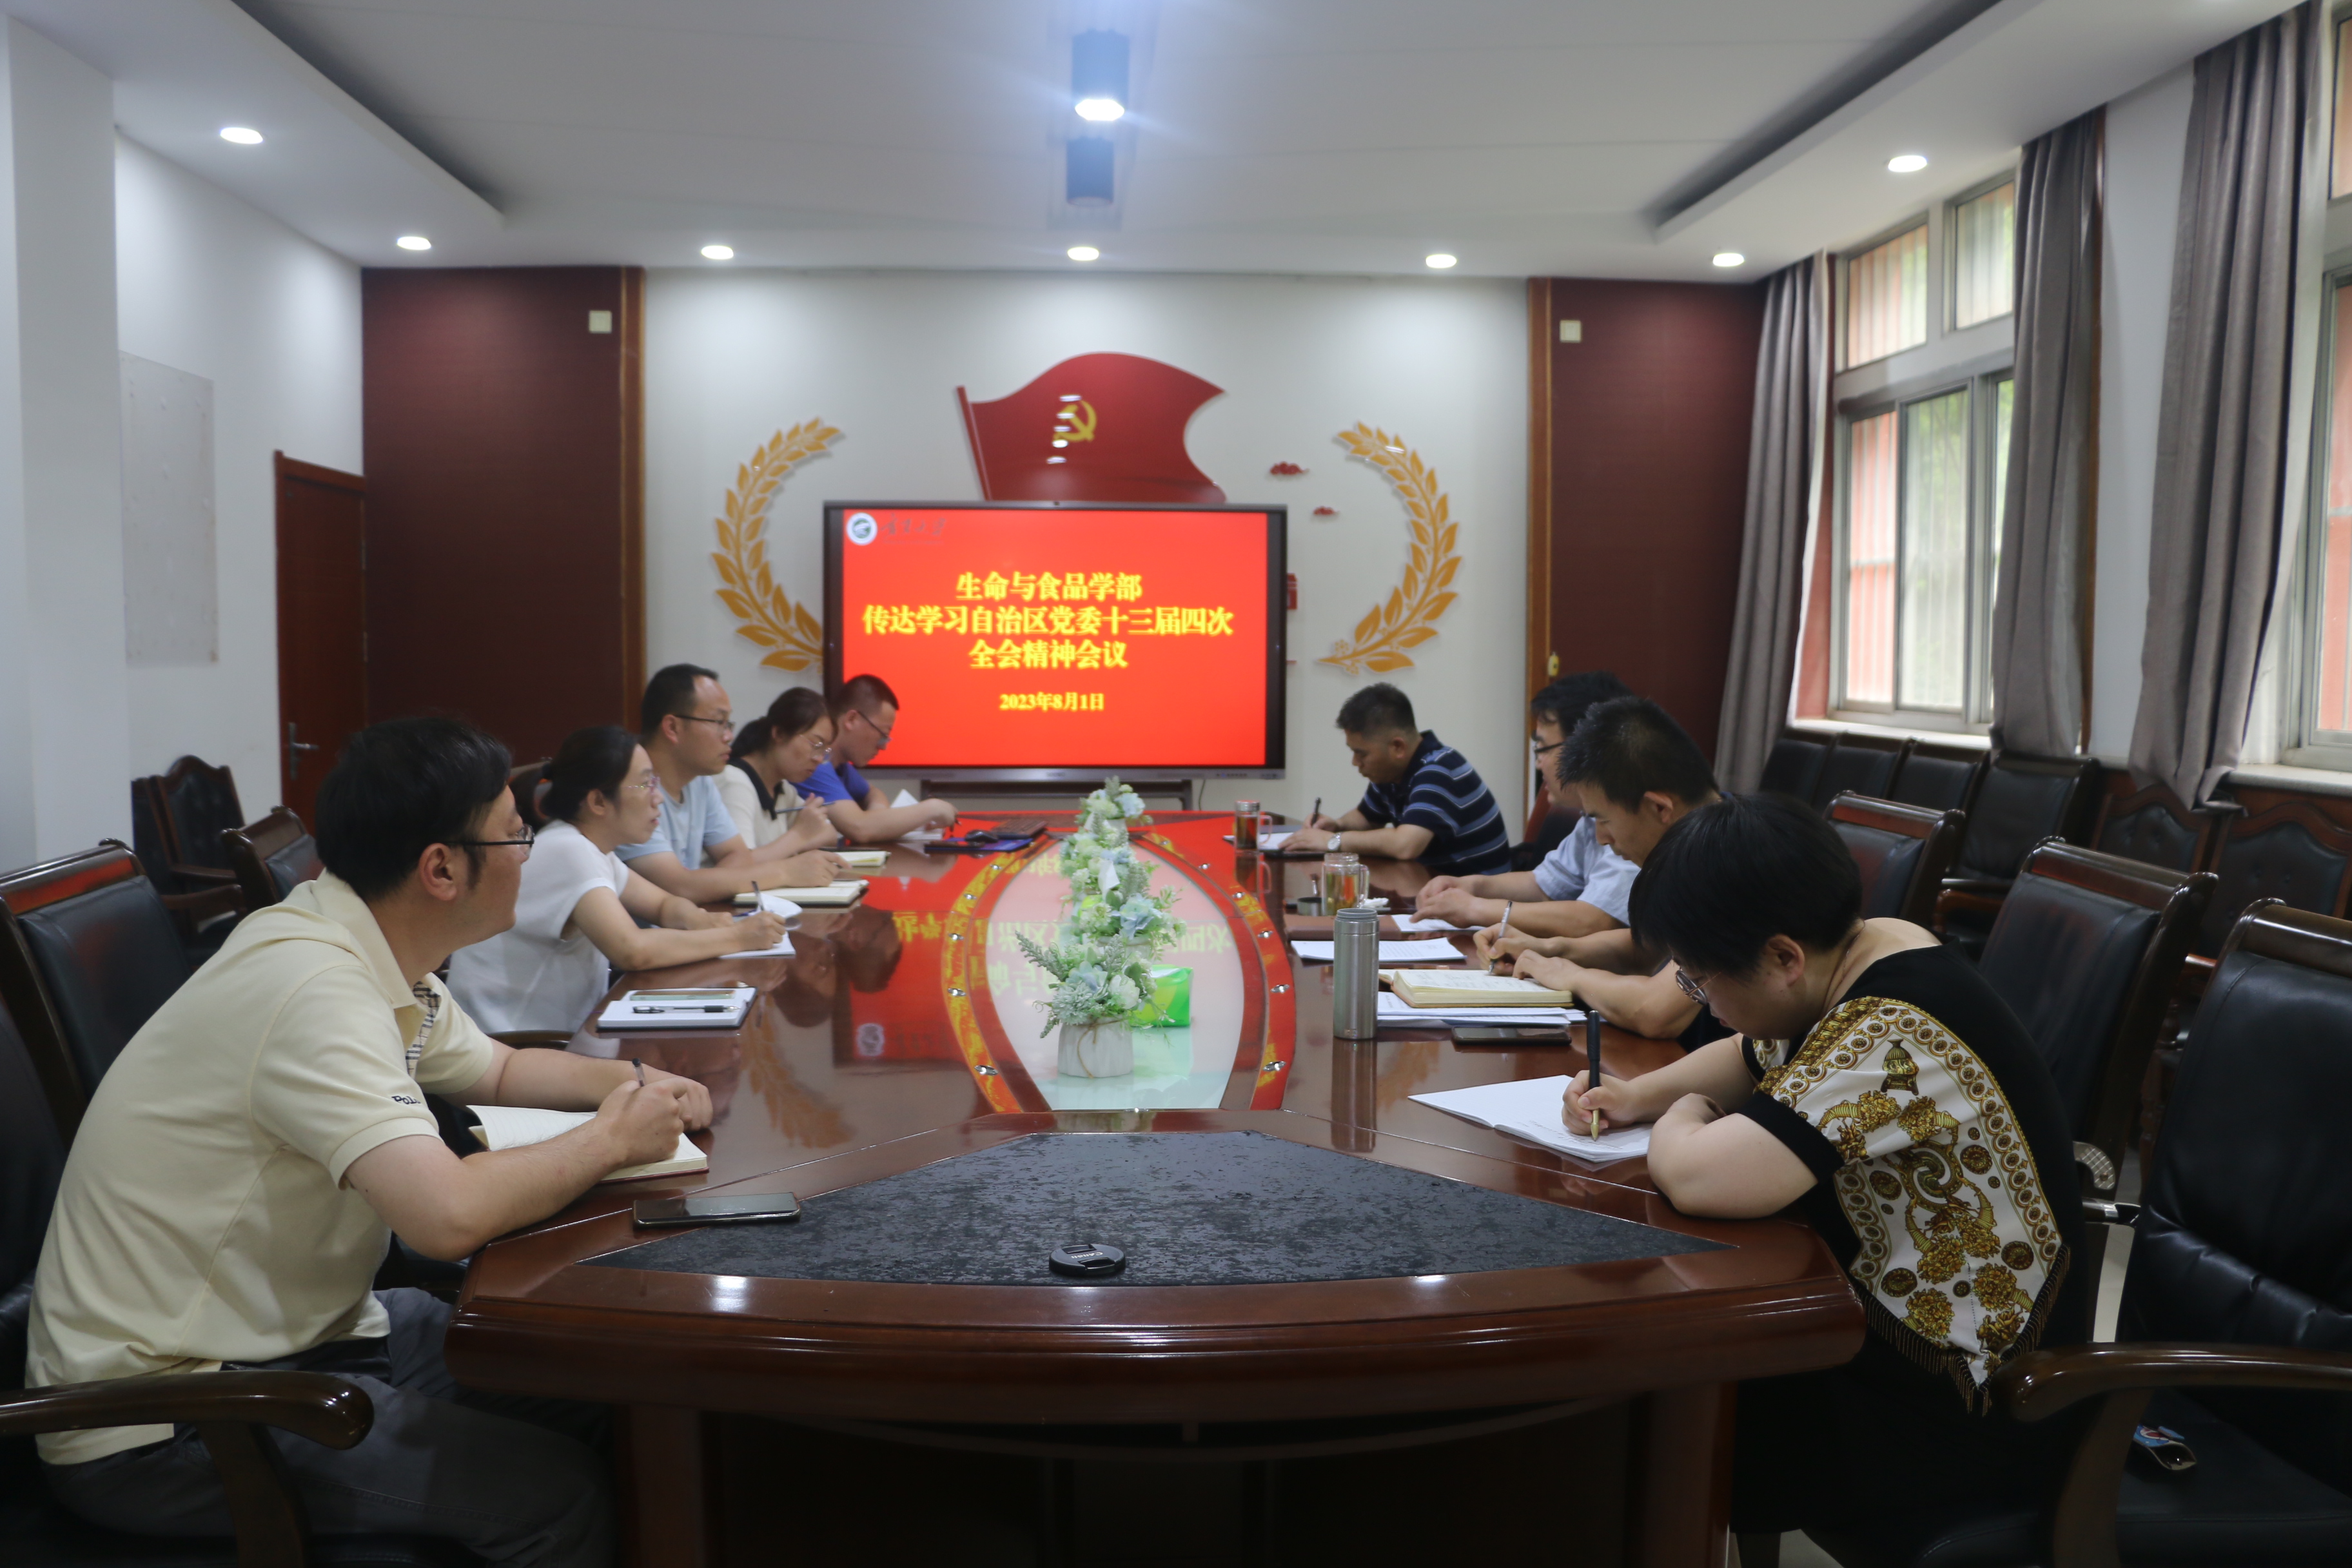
(1580,1411)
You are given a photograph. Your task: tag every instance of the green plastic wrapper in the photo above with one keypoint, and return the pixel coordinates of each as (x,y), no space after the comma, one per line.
(1170,1006)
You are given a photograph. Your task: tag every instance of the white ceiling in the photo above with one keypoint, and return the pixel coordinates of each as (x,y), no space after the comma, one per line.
(1628,138)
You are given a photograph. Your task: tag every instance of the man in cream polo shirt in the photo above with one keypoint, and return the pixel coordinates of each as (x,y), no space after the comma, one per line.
(235,1182)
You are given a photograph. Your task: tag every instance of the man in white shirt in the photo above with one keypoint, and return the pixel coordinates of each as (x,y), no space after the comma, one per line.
(1583,886)
(686,721)
(244,1164)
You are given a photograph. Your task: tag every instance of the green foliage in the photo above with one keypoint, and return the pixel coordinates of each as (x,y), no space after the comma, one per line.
(1113,924)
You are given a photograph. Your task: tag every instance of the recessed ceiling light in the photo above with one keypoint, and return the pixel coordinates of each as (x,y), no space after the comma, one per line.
(1098,75)
(414,242)
(243,135)
(719,253)
(1906,163)
(1438,260)
(1085,253)
(1729,259)
(1102,111)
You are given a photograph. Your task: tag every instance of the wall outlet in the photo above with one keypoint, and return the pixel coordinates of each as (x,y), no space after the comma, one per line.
(1571,332)
(602,321)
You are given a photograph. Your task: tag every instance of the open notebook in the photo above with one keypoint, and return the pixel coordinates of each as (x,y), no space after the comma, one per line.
(1451,988)
(1529,1108)
(518,1126)
(834,896)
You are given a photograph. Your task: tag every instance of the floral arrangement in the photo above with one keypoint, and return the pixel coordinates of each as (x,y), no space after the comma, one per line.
(1113,925)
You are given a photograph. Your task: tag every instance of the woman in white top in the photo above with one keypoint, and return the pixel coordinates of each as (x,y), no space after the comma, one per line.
(578,904)
(771,754)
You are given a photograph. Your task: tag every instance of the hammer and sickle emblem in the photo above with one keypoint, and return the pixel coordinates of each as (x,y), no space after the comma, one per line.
(1074,422)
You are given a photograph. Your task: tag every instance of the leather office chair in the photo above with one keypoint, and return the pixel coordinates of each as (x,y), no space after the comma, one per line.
(1860,764)
(528,782)
(2019,802)
(1794,768)
(2084,950)
(176,820)
(273,857)
(88,953)
(1904,853)
(2152,825)
(227,1407)
(2236,1327)
(1942,776)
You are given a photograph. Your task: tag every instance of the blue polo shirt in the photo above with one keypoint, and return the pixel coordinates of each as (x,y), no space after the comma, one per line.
(836,781)
(1441,791)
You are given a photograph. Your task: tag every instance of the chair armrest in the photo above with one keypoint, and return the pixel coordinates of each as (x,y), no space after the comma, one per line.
(2121,1377)
(326,1410)
(535,1039)
(2044,1382)
(1969,893)
(2099,1211)
(219,874)
(1982,887)
(2195,978)
(215,901)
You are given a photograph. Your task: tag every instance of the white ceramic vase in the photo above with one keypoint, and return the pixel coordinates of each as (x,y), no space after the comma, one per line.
(1098,1050)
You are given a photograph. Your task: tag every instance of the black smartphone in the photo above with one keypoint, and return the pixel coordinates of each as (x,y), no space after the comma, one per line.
(1511,1035)
(717,1208)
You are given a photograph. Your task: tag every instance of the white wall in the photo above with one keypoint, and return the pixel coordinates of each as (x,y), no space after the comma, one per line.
(62,677)
(2146,136)
(733,356)
(213,287)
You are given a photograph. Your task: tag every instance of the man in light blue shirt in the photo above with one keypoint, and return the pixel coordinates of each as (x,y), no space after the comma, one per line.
(695,850)
(1582,886)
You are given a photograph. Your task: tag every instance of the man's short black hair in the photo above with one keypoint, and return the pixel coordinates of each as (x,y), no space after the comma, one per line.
(1629,747)
(1564,701)
(399,788)
(1377,709)
(671,690)
(865,693)
(1729,877)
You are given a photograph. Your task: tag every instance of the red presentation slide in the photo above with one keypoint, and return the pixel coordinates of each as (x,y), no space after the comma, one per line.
(1019,637)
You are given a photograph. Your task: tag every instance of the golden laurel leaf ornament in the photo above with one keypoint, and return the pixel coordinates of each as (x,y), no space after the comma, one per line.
(1407,619)
(793,638)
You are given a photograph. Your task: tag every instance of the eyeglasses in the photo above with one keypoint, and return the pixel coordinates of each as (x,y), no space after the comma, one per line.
(867,720)
(1547,750)
(726,725)
(640,786)
(1691,988)
(523,844)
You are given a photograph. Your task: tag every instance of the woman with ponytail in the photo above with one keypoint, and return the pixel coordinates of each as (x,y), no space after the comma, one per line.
(772,755)
(580,903)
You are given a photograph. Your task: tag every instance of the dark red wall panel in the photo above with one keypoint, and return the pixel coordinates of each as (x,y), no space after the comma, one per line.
(504,498)
(1649,481)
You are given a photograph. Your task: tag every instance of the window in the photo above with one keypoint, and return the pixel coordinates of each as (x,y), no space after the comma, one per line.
(2327,717)
(2339,179)
(1984,249)
(1887,298)
(1919,552)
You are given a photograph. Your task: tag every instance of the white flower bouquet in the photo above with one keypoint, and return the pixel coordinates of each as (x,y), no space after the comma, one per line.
(1113,924)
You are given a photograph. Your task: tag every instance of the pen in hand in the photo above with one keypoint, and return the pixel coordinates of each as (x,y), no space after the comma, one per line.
(1592,1060)
(641,1070)
(1499,956)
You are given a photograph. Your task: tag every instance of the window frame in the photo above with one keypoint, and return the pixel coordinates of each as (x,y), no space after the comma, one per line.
(2304,607)
(1844,294)
(1980,380)
(1951,257)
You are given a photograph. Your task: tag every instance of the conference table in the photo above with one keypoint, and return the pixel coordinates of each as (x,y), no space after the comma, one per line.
(1578,1409)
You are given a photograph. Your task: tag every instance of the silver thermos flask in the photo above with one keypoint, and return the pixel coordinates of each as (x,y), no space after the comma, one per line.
(1355,975)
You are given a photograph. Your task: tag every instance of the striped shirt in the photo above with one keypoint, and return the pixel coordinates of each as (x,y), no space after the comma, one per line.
(1441,791)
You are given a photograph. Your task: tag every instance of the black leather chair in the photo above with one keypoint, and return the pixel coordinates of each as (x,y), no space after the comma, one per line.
(1794,768)
(176,821)
(229,1408)
(2019,802)
(2151,823)
(2084,950)
(2236,1327)
(273,857)
(1938,775)
(1904,853)
(88,953)
(1860,764)
(528,783)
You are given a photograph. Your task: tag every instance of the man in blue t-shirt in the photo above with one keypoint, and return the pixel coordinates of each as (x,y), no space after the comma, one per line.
(864,714)
(1426,801)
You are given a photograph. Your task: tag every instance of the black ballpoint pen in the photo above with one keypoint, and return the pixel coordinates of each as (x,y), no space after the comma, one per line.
(1593,1060)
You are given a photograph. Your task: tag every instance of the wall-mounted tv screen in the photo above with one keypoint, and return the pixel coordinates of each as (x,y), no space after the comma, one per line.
(1052,641)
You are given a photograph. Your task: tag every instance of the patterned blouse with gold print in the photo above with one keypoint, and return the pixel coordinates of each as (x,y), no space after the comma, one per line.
(1946,1169)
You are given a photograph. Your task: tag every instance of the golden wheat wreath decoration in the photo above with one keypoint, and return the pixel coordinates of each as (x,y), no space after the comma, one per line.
(1408,618)
(793,638)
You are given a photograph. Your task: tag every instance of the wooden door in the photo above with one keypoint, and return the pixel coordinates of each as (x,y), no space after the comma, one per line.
(322,624)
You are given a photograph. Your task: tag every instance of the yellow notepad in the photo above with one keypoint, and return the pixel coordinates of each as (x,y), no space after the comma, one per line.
(835,896)
(518,1126)
(1455,988)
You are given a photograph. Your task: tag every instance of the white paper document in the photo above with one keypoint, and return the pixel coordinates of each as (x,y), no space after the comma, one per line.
(775,903)
(1396,1010)
(711,1008)
(1415,923)
(1528,1108)
(920,834)
(784,949)
(1270,837)
(1431,950)
(865,860)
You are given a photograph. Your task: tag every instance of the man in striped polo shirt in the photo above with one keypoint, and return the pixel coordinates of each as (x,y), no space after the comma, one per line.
(1426,801)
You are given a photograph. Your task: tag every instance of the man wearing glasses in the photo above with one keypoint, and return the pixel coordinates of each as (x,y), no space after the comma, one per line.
(864,713)
(246,1160)
(695,850)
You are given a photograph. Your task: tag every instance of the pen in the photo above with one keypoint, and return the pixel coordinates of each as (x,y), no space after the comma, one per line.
(1498,938)
(1315,811)
(639,1065)
(1593,1059)
(672,1007)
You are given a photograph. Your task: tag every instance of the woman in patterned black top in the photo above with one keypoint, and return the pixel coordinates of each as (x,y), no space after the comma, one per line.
(1883,1090)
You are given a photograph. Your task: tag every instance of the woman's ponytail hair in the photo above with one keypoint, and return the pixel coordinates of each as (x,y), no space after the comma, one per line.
(594,760)
(751,740)
(796,710)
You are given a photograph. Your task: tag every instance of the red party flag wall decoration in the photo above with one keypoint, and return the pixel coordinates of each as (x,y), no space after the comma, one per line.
(1099,427)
